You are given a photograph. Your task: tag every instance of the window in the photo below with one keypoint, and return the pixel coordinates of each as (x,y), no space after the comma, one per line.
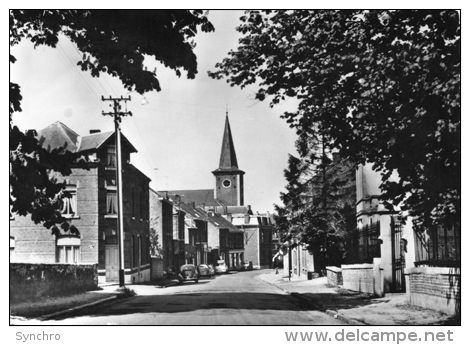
(69,205)
(132,202)
(111,202)
(68,254)
(226,183)
(111,157)
(68,250)
(141,205)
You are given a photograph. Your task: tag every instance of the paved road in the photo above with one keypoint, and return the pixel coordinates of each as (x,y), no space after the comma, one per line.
(239,298)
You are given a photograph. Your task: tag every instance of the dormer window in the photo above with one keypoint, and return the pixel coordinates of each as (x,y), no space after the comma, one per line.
(111,156)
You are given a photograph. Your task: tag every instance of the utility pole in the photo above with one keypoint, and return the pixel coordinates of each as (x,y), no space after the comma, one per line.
(117,114)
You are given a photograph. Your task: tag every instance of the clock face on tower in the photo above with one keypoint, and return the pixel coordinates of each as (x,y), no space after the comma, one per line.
(226,183)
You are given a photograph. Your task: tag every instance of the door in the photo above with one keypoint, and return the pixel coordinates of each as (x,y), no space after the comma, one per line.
(112,263)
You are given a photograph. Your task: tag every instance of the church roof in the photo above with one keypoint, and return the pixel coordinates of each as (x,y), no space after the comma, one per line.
(198,196)
(58,135)
(228,157)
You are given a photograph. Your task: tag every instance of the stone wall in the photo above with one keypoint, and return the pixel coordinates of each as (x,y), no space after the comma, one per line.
(435,288)
(358,277)
(334,276)
(35,280)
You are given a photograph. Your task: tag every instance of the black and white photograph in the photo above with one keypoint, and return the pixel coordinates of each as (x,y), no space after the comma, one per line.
(227,168)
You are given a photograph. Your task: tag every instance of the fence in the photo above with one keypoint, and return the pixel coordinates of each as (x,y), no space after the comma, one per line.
(438,245)
(363,245)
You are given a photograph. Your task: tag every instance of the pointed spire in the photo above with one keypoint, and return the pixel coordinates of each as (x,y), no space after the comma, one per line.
(228,158)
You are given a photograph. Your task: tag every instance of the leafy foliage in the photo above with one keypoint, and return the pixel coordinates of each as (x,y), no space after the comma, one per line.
(319,205)
(380,86)
(112,41)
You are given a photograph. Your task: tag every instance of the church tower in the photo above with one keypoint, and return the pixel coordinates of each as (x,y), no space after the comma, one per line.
(228,178)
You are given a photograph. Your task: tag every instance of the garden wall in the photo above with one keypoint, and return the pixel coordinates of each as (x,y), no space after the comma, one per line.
(435,288)
(29,280)
(334,276)
(364,277)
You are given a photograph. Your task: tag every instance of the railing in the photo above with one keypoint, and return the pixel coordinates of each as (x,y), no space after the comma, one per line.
(438,245)
(363,245)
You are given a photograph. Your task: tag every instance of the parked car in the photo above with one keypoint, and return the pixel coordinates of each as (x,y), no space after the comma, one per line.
(248,266)
(205,270)
(188,272)
(221,267)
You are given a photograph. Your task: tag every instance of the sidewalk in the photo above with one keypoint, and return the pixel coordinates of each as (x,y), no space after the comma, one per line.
(354,307)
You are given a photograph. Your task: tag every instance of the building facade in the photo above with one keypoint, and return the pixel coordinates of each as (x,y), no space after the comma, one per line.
(91,211)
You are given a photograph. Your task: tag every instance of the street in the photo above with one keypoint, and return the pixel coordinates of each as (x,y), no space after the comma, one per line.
(238,298)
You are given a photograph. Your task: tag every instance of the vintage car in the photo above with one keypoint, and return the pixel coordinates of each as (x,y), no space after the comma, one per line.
(187,273)
(205,270)
(221,267)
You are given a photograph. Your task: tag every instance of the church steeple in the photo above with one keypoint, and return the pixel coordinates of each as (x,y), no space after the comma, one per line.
(228,157)
(228,177)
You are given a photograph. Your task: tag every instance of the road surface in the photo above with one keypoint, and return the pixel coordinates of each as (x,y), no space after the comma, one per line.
(238,298)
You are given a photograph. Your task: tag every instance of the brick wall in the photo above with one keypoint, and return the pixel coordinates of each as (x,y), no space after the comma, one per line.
(334,276)
(435,288)
(35,244)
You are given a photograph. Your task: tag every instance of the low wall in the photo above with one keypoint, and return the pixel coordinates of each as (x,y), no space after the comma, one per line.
(156,268)
(33,280)
(435,288)
(358,277)
(334,276)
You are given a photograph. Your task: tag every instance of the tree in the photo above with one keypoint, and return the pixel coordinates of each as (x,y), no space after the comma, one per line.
(380,86)
(112,41)
(319,202)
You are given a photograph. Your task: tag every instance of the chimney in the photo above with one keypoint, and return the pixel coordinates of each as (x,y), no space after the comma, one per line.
(94,131)
(247,219)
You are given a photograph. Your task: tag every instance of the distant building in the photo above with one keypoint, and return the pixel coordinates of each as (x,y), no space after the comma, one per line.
(92,211)
(253,240)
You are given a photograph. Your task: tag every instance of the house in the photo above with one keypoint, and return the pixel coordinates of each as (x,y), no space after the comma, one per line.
(91,211)
(229,244)
(258,237)
(161,221)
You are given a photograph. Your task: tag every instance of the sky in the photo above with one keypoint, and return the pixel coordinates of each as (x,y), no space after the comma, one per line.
(178,133)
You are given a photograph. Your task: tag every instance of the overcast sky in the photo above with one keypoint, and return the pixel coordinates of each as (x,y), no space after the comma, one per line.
(178,134)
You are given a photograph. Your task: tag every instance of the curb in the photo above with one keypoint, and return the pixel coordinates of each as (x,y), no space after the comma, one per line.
(48,316)
(330,312)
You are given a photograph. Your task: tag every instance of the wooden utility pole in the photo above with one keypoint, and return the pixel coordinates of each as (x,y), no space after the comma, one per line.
(117,114)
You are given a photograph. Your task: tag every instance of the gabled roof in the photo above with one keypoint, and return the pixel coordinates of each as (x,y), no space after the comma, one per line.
(95,141)
(58,135)
(198,196)
(220,221)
